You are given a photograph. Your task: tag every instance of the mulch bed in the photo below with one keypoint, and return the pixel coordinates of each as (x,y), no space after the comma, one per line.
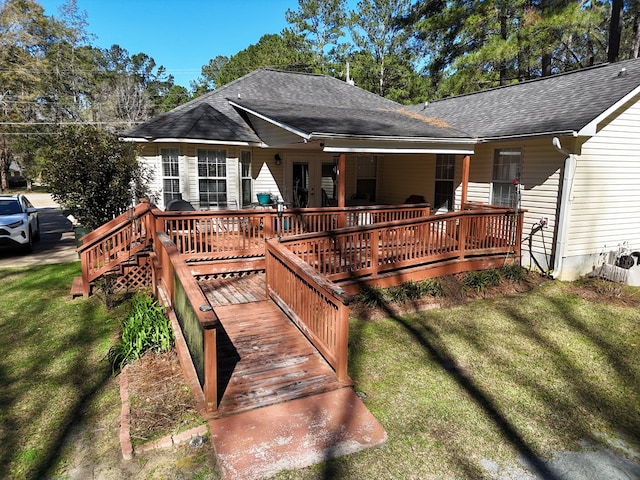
(161,401)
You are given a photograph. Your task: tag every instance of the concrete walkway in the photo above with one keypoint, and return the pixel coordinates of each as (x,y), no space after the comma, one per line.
(57,240)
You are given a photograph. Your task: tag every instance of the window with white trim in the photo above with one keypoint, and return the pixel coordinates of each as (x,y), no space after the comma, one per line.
(444,181)
(245,178)
(507,164)
(170,174)
(212,178)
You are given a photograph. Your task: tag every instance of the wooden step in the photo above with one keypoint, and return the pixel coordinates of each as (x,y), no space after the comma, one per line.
(77,287)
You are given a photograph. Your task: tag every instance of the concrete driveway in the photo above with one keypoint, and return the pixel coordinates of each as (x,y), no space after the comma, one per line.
(57,241)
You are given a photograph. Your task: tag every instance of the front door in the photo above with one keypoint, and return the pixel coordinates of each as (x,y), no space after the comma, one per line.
(312,182)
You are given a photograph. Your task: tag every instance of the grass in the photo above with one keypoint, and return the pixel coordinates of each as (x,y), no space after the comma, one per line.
(52,363)
(493,380)
(59,403)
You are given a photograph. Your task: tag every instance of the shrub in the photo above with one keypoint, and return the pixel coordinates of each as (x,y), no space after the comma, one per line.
(372,296)
(146,328)
(432,287)
(513,272)
(397,294)
(479,281)
(412,290)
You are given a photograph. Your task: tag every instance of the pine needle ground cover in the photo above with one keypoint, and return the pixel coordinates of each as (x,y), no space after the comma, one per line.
(493,381)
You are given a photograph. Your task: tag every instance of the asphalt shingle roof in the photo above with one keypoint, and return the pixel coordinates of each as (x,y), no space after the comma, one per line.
(307,102)
(560,103)
(320,104)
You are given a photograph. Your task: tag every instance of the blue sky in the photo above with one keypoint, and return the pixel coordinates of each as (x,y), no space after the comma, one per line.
(181,35)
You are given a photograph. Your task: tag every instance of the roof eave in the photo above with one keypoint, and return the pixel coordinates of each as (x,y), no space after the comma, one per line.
(591,128)
(272,121)
(524,136)
(190,140)
(332,143)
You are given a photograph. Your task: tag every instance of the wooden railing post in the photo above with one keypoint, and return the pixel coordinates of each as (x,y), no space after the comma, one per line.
(518,237)
(210,388)
(342,352)
(375,251)
(463,231)
(86,285)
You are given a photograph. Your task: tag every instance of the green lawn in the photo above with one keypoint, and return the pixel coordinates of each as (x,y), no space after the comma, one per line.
(493,380)
(488,381)
(52,363)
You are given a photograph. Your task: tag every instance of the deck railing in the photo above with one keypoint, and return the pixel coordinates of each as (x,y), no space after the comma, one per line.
(177,288)
(114,243)
(319,308)
(376,249)
(225,233)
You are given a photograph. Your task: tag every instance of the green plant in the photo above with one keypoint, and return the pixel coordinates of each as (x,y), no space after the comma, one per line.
(513,272)
(371,296)
(412,290)
(480,280)
(397,294)
(146,328)
(93,174)
(432,287)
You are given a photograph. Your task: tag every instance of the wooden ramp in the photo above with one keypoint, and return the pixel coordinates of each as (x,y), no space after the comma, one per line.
(263,358)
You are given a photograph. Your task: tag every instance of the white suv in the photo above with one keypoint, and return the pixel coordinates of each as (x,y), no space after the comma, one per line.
(19,223)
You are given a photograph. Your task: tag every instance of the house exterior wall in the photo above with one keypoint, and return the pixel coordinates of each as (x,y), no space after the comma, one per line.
(539,192)
(605,195)
(400,176)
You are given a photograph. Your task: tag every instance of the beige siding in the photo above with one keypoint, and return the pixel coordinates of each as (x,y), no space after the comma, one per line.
(402,175)
(540,184)
(605,203)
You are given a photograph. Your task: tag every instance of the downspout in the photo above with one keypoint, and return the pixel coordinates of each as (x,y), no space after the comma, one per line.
(563,214)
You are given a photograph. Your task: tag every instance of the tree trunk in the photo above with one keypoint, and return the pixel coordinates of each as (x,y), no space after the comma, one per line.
(635,40)
(546,65)
(503,35)
(615,30)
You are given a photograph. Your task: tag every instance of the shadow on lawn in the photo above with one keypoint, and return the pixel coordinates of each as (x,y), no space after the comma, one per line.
(581,387)
(49,370)
(432,344)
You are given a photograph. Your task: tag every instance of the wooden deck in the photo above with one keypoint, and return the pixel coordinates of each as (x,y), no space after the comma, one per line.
(263,358)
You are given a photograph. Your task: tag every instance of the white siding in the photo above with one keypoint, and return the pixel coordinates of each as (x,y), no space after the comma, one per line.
(267,175)
(605,200)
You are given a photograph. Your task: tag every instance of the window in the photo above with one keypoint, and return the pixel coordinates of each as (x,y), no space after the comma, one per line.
(245,178)
(444,181)
(506,169)
(366,171)
(170,174)
(212,181)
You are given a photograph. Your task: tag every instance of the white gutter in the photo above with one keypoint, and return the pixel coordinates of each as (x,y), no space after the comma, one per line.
(565,208)
(381,150)
(188,140)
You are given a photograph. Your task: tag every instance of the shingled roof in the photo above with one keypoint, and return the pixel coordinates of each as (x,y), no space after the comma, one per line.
(314,105)
(559,104)
(317,105)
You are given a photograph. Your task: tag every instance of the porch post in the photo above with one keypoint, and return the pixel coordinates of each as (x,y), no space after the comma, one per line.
(342,170)
(465,180)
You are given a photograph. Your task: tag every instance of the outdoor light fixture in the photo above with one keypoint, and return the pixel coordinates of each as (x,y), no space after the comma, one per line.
(280,210)
(278,159)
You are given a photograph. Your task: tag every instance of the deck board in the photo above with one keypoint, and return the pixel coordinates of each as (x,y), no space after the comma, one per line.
(263,358)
